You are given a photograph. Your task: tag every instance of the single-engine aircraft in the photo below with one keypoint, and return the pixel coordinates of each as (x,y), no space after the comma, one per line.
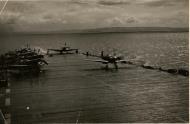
(27,65)
(106,59)
(62,50)
(33,61)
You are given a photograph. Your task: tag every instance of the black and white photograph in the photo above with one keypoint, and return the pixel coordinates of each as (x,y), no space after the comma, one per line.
(94,61)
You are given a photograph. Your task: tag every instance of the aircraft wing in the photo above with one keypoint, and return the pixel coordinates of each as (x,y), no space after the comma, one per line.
(57,50)
(19,65)
(124,62)
(36,60)
(121,61)
(69,50)
(101,61)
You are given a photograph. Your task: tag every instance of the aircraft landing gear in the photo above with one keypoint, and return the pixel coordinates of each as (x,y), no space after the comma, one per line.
(115,64)
(107,66)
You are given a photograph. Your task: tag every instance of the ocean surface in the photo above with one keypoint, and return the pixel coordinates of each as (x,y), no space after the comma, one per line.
(74,90)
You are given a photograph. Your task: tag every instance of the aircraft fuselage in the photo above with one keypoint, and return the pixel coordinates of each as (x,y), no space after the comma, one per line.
(110,59)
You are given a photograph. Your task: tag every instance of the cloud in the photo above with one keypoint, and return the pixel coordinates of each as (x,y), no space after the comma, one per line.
(49,18)
(5,28)
(123,20)
(131,20)
(159,3)
(113,2)
(78,14)
(9,18)
(82,2)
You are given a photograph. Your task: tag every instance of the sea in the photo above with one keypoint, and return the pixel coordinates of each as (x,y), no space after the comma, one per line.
(71,89)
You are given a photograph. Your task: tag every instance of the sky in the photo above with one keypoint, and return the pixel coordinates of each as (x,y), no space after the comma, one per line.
(58,15)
